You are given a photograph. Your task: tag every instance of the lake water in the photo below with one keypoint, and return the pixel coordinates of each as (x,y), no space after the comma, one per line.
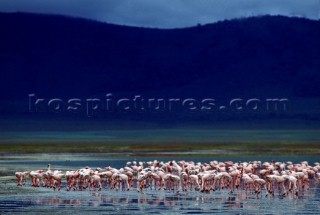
(43,200)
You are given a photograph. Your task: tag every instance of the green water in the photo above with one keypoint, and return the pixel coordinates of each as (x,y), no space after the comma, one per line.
(171,134)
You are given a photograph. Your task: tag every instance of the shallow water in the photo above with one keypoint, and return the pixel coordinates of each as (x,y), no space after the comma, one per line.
(160,202)
(43,200)
(116,160)
(238,135)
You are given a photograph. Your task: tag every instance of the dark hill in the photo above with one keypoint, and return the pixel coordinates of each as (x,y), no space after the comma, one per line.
(56,55)
(262,57)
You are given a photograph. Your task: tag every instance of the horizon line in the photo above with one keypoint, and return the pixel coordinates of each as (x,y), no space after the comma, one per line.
(161,28)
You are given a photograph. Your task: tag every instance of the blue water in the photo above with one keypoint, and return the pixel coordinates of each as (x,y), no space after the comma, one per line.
(159,202)
(45,200)
(78,160)
(187,134)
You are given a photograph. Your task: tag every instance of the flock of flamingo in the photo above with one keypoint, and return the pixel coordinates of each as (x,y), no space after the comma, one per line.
(253,177)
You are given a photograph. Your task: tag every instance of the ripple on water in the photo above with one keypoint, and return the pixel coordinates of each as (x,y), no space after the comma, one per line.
(156,202)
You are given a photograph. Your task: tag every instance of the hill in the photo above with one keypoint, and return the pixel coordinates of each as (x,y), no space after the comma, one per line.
(57,56)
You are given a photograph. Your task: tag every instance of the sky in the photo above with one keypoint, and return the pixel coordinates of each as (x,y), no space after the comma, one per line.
(165,13)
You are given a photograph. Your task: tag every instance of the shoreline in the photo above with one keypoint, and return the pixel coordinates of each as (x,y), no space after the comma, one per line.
(160,147)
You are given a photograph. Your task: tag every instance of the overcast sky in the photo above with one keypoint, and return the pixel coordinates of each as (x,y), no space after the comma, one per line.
(165,13)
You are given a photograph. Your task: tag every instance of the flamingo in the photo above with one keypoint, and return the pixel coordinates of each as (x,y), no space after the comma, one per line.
(21,177)
(174,175)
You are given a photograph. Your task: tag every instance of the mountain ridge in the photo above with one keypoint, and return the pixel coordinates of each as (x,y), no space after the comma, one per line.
(60,56)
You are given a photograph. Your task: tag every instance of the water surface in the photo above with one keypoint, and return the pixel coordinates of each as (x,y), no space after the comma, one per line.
(44,200)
